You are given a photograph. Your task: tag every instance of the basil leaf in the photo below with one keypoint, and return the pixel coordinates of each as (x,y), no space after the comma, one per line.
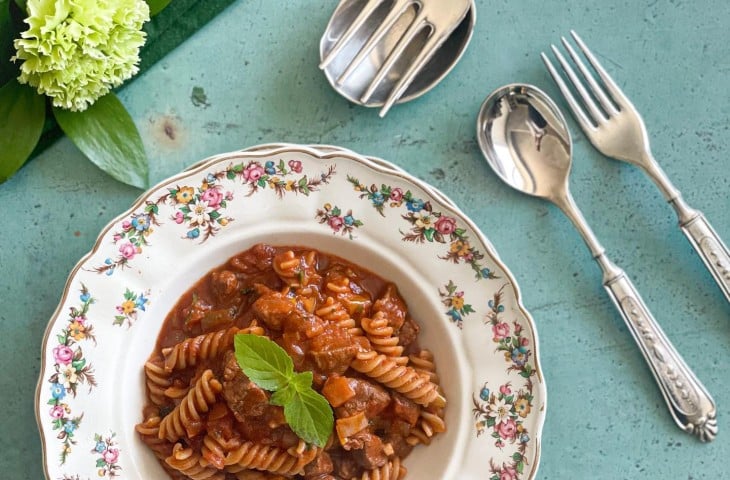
(107,135)
(22,112)
(310,416)
(156,6)
(283,396)
(263,361)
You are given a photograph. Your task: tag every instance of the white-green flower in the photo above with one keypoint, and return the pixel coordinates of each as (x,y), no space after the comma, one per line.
(76,51)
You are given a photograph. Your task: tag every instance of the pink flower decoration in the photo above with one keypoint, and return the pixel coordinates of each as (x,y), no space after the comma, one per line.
(500,331)
(505,390)
(445,225)
(508,473)
(213,196)
(126,225)
(117,237)
(253,172)
(110,455)
(179,217)
(63,354)
(518,327)
(56,411)
(229,196)
(396,194)
(524,342)
(336,223)
(296,166)
(507,429)
(128,250)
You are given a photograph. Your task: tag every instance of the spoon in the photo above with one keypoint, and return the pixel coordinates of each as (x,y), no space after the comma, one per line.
(526,141)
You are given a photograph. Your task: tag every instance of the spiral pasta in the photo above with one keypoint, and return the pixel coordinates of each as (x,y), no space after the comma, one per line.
(390,471)
(380,334)
(187,462)
(333,311)
(251,455)
(193,350)
(402,379)
(184,420)
(157,380)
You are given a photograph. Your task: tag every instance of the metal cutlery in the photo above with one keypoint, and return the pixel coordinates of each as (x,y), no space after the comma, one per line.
(616,129)
(436,19)
(526,141)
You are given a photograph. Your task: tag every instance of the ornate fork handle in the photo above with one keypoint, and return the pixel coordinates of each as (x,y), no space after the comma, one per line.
(708,245)
(691,406)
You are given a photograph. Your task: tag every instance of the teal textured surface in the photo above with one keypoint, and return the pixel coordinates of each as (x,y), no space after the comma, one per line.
(250,76)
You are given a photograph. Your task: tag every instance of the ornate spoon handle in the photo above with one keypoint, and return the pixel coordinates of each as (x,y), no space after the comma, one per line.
(691,406)
(708,244)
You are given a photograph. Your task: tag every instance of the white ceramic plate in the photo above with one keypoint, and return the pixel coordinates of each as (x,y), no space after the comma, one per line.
(91,390)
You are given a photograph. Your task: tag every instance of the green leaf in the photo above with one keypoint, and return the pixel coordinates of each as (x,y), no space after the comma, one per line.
(302,381)
(263,361)
(107,135)
(156,6)
(520,467)
(6,42)
(100,463)
(310,416)
(429,233)
(283,396)
(22,112)
(517,456)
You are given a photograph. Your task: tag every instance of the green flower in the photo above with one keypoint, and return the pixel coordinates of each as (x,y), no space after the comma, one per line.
(76,51)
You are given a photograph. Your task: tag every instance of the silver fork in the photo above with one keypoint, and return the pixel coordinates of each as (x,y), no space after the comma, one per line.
(441,17)
(617,130)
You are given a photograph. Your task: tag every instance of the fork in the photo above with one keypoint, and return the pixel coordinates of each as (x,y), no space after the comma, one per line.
(441,17)
(617,130)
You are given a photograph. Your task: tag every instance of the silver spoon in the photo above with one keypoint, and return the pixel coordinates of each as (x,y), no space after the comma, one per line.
(526,141)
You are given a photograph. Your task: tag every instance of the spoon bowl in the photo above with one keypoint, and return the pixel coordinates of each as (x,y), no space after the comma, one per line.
(524,138)
(526,141)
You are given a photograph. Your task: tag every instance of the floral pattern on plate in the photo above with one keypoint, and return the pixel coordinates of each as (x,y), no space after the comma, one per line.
(69,371)
(426,224)
(333,217)
(503,411)
(427,232)
(131,306)
(454,300)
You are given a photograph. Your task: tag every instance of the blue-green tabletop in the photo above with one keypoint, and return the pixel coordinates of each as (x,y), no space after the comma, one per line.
(255,66)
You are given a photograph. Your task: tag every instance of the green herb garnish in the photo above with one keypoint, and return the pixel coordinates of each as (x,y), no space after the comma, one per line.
(266,364)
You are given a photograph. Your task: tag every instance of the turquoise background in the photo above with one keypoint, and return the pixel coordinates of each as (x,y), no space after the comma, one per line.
(257,65)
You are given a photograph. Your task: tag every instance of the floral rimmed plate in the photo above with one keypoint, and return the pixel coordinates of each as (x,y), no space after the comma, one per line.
(91,388)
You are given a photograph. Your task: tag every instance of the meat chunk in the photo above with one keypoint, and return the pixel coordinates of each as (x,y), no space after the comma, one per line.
(369,398)
(255,260)
(408,332)
(393,306)
(333,350)
(319,468)
(405,409)
(367,450)
(273,308)
(244,398)
(224,284)
(396,435)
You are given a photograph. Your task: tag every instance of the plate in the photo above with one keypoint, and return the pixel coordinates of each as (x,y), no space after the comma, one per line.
(91,389)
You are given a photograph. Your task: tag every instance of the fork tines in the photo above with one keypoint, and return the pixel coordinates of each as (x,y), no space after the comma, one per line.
(609,96)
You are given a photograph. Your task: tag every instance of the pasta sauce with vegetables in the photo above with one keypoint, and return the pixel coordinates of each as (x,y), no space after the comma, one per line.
(205,419)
